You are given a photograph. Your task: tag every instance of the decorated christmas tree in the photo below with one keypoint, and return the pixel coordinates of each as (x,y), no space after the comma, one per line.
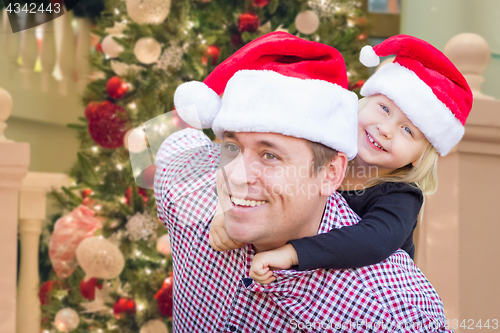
(109,254)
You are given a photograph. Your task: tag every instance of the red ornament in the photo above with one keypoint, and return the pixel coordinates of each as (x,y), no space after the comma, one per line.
(108,125)
(87,288)
(260,3)
(123,307)
(90,109)
(141,191)
(164,297)
(86,193)
(45,290)
(248,22)
(213,52)
(98,48)
(116,88)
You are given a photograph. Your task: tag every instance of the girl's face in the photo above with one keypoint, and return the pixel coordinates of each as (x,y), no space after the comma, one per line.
(386,137)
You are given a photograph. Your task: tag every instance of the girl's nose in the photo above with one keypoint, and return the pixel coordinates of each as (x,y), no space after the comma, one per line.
(385,130)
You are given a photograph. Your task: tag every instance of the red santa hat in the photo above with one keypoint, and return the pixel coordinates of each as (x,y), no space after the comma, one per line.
(277,83)
(424,84)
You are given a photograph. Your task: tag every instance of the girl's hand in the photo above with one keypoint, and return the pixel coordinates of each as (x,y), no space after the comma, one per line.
(218,238)
(263,263)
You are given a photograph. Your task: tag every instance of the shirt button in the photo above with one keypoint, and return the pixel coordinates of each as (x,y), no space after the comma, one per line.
(232,328)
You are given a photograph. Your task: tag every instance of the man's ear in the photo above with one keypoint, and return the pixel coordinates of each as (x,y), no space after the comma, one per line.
(334,173)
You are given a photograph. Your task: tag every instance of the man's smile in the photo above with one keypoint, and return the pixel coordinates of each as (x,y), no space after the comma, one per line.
(246,202)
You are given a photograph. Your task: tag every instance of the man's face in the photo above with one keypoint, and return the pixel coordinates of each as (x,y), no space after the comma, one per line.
(267,190)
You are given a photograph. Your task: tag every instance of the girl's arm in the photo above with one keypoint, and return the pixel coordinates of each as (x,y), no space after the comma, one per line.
(389,220)
(264,262)
(218,238)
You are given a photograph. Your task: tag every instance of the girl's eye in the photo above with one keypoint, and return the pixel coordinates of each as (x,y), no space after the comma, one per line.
(384,108)
(269,156)
(408,130)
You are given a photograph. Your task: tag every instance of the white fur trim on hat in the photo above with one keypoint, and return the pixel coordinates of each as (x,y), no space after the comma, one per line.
(416,99)
(197,104)
(268,102)
(368,57)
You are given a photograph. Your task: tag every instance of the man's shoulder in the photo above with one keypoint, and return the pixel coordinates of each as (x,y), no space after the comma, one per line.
(185,177)
(337,214)
(182,141)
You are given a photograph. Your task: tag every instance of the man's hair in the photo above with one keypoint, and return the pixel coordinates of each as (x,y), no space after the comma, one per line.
(321,155)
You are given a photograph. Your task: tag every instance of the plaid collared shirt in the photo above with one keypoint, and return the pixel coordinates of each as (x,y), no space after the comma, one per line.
(212,290)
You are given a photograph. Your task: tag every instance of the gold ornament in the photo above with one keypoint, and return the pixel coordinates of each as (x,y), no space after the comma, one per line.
(66,320)
(100,258)
(147,50)
(110,47)
(148,11)
(307,22)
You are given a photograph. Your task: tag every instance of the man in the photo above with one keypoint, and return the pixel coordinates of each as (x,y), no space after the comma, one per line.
(289,127)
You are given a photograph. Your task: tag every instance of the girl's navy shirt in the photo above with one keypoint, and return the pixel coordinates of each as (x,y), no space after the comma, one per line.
(389,214)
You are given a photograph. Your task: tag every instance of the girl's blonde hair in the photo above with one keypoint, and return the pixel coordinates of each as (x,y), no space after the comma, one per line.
(423,174)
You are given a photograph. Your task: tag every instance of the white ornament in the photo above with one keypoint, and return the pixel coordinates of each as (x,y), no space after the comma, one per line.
(147,50)
(171,57)
(117,29)
(148,11)
(100,258)
(154,326)
(110,47)
(163,245)
(122,69)
(307,22)
(141,226)
(66,320)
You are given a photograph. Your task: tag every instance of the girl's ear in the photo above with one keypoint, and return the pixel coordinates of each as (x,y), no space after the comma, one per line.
(334,173)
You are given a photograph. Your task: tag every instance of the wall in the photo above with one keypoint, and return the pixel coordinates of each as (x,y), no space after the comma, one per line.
(438,21)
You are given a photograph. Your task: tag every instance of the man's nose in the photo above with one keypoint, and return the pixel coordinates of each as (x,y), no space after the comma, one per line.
(239,173)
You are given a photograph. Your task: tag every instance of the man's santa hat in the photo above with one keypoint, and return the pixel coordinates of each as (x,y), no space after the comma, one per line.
(277,83)
(424,84)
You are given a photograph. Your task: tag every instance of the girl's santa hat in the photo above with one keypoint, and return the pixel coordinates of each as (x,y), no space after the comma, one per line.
(424,84)
(277,83)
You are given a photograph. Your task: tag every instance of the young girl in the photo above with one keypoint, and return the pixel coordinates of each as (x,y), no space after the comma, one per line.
(414,109)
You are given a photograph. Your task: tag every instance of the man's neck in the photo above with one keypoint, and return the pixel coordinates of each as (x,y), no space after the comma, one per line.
(310,228)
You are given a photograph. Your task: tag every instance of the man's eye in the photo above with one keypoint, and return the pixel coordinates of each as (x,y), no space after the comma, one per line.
(232,148)
(270,156)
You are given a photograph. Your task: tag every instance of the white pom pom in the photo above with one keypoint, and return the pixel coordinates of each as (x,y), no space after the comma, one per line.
(197,104)
(368,57)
